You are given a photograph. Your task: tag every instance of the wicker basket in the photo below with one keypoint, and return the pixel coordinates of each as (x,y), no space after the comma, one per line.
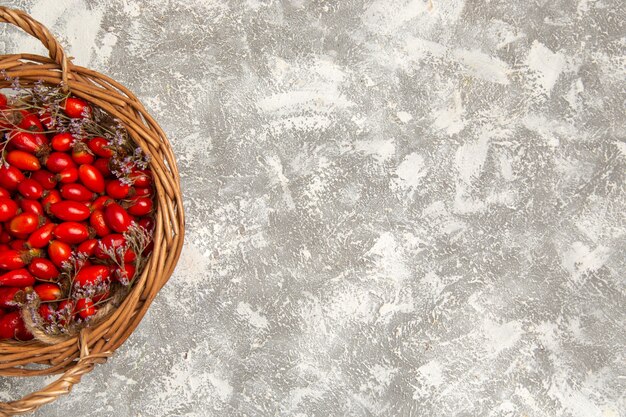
(77,356)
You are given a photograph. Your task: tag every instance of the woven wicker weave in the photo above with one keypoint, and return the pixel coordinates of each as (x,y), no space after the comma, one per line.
(77,356)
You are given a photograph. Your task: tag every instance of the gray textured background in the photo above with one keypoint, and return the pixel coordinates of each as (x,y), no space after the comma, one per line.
(395,207)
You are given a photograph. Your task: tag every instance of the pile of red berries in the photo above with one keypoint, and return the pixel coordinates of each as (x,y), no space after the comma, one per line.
(75,212)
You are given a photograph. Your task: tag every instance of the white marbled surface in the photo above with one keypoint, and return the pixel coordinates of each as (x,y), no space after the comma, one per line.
(395,207)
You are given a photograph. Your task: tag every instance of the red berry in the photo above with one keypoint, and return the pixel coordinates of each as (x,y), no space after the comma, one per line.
(59,252)
(7,297)
(125,274)
(92,275)
(25,141)
(88,247)
(117,218)
(76,192)
(23,160)
(62,142)
(97,221)
(44,269)
(17,278)
(58,161)
(114,241)
(85,308)
(68,175)
(70,211)
(46,178)
(8,209)
(141,178)
(10,177)
(46,311)
(53,196)
(91,178)
(15,259)
(30,188)
(32,206)
(117,189)
(48,292)
(140,206)
(82,155)
(71,232)
(41,237)
(12,326)
(76,107)
(30,122)
(102,165)
(23,225)
(100,147)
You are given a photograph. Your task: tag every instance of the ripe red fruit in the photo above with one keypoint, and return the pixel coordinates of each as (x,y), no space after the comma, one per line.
(85,307)
(3,101)
(70,211)
(99,146)
(47,312)
(46,178)
(62,142)
(117,189)
(10,177)
(141,178)
(23,160)
(82,155)
(48,291)
(11,259)
(30,122)
(100,203)
(17,278)
(7,297)
(23,225)
(4,192)
(71,232)
(141,192)
(46,118)
(17,244)
(5,237)
(25,141)
(92,275)
(58,161)
(117,218)
(102,165)
(140,206)
(32,206)
(52,197)
(68,175)
(88,247)
(59,252)
(8,209)
(97,221)
(76,192)
(125,274)
(44,269)
(30,188)
(147,223)
(114,241)
(12,326)
(76,108)
(41,237)
(91,178)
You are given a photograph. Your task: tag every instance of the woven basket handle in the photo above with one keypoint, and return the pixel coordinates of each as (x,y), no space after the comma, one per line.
(61,386)
(39,31)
